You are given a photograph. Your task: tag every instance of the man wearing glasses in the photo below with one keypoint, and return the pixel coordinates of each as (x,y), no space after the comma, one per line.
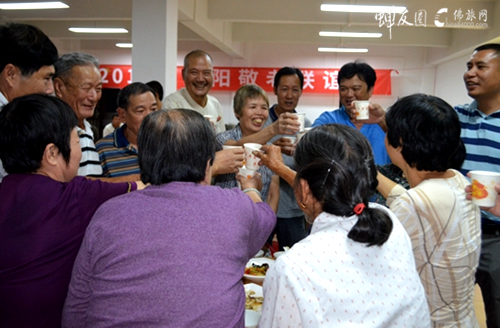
(78,82)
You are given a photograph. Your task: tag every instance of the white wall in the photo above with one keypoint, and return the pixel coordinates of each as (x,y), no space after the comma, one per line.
(444,80)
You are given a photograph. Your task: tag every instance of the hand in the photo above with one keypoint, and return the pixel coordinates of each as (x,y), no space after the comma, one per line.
(287,146)
(270,156)
(286,124)
(254,182)
(228,161)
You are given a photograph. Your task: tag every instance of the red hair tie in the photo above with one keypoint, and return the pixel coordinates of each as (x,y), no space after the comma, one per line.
(358,209)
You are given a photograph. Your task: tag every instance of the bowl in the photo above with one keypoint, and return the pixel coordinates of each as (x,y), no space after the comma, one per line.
(251,318)
(278,254)
(257,292)
(258,261)
(259,253)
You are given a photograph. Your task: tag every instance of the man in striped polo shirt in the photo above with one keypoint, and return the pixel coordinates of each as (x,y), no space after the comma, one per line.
(78,82)
(481,134)
(118,151)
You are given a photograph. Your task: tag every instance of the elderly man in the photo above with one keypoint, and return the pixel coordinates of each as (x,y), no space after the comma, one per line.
(118,151)
(356,82)
(135,269)
(78,82)
(26,63)
(198,78)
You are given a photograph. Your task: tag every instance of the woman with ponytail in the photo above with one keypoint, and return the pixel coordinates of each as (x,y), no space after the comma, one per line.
(356,268)
(423,140)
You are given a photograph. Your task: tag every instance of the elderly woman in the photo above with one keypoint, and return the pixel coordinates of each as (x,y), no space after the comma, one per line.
(173,255)
(423,139)
(251,108)
(356,268)
(44,209)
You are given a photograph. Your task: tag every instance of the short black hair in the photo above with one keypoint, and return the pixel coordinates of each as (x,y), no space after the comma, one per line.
(157,88)
(175,145)
(489,46)
(27,125)
(428,130)
(337,162)
(136,88)
(25,47)
(364,72)
(285,71)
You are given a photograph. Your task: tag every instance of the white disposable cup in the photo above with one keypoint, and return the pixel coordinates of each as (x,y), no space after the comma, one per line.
(247,173)
(483,187)
(301,134)
(251,161)
(224,147)
(362,111)
(291,138)
(302,120)
(211,118)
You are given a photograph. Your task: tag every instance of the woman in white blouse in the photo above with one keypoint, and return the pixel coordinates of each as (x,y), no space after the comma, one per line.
(356,268)
(423,140)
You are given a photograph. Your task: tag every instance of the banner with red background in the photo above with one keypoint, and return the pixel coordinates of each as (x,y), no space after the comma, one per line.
(316,80)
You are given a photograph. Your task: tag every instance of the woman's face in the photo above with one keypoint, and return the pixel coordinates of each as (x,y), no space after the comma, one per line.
(75,155)
(253,116)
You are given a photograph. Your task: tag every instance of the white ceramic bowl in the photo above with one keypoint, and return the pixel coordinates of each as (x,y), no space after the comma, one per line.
(257,292)
(259,253)
(258,261)
(251,318)
(278,254)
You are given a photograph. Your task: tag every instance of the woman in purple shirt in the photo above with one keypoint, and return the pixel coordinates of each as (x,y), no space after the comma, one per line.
(44,209)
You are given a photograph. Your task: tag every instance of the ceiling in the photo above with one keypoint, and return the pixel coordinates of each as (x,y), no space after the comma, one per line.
(229,24)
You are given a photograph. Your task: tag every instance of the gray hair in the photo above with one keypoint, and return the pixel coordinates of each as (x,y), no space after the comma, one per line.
(66,62)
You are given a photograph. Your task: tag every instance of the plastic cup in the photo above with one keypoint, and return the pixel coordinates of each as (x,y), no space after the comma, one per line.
(362,111)
(247,173)
(224,147)
(483,187)
(302,120)
(291,138)
(251,161)
(211,118)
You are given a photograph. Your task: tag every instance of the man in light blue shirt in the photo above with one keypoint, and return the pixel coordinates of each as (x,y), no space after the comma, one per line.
(356,82)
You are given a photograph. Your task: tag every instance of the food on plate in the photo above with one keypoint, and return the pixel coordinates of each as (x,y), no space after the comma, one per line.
(253,302)
(257,270)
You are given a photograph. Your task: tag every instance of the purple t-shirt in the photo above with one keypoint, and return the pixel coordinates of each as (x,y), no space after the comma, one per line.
(42,223)
(167,256)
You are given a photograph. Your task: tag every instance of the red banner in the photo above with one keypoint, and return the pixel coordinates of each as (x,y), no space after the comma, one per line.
(316,80)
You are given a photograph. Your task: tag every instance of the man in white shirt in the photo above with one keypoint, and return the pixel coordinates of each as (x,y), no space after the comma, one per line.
(111,127)
(26,63)
(78,82)
(198,78)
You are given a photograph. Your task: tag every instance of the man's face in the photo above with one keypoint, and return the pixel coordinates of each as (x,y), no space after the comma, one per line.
(139,106)
(82,90)
(482,78)
(116,122)
(38,82)
(353,89)
(198,77)
(288,92)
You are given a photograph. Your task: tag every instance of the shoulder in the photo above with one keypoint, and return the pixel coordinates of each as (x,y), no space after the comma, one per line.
(328,117)
(174,100)
(105,143)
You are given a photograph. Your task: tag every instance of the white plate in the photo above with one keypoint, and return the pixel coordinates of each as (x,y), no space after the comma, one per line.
(258,261)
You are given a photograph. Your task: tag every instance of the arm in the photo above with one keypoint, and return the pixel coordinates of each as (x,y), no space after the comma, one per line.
(254,183)
(273,196)
(127,178)
(273,160)
(385,185)
(286,124)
